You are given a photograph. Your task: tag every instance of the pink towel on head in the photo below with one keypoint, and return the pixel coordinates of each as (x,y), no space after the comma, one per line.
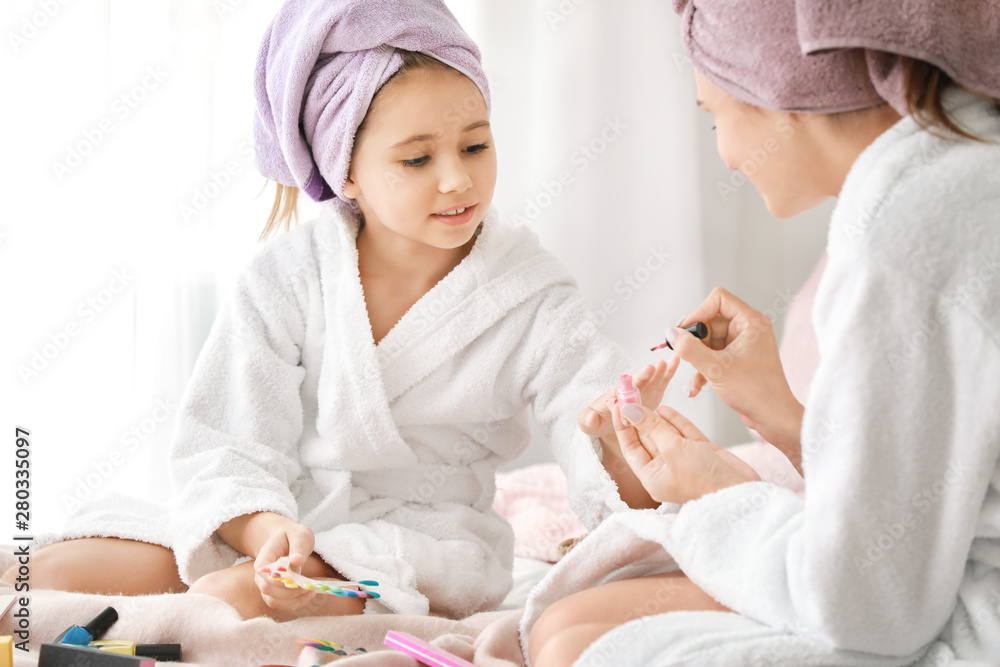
(827,56)
(962,38)
(751,51)
(319,66)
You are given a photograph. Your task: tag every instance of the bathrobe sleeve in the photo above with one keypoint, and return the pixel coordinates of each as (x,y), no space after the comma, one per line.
(235,449)
(899,447)
(571,365)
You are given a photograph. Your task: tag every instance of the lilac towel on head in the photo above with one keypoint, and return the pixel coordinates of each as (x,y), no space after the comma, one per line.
(750,49)
(962,38)
(826,56)
(318,68)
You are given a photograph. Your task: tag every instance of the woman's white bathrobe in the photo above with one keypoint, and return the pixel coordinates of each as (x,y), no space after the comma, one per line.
(387,452)
(893,556)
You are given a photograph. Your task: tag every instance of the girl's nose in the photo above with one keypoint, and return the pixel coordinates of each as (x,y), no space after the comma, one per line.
(454,177)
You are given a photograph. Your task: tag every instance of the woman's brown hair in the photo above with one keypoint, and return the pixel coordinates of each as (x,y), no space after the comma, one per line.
(925,85)
(284,212)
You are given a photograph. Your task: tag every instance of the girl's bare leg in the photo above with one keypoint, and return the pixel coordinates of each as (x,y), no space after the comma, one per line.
(236,586)
(570,625)
(103,565)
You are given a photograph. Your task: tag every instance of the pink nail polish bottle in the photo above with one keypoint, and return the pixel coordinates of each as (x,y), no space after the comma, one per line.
(627,393)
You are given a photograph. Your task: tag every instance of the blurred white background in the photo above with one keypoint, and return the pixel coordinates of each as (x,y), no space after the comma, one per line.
(131,203)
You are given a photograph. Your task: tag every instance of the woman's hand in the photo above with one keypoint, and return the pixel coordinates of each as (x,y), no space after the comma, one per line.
(739,358)
(651,382)
(672,458)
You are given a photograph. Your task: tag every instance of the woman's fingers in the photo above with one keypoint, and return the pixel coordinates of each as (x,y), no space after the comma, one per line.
(632,448)
(683,425)
(719,306)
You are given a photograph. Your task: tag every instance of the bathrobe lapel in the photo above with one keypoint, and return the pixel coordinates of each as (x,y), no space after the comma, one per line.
(496,276)
(362,381)
(356,409)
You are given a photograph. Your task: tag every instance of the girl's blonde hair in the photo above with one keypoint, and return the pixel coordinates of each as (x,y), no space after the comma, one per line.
(284,211)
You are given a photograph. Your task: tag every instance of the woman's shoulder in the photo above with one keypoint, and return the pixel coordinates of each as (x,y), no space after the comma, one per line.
(921,202)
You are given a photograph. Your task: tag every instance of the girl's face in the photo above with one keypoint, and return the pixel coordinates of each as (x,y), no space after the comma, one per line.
(782,154)
(424,166)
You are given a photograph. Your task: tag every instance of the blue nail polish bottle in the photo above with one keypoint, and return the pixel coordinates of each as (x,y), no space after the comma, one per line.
(94,629)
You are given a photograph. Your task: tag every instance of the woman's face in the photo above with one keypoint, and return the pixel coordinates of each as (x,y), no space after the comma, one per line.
(780,153)
(424,166)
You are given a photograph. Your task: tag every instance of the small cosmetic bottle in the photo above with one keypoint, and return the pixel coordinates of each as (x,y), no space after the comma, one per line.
(95,629)
(627,393)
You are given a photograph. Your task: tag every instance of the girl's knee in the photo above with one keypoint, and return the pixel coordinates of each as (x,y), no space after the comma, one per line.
(556,618)
(564,647)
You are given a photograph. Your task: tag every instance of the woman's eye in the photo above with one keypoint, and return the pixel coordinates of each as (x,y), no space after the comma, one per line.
(416,162)
(478,148)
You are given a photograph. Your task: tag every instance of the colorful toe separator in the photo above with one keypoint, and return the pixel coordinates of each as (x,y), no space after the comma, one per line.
(279,572)
(332,647)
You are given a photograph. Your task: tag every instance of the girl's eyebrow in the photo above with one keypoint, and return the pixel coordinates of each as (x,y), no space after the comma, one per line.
(428,137)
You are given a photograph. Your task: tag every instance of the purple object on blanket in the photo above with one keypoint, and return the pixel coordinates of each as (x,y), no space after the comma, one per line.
(318,68)
(825,56)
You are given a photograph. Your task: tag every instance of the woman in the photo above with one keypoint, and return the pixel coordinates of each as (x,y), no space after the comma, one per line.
(893,556)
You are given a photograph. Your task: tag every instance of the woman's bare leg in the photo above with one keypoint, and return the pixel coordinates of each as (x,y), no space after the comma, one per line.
(103,565)
(236,586)
(568,627)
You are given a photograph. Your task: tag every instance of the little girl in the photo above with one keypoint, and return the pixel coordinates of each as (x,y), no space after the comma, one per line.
(374,368)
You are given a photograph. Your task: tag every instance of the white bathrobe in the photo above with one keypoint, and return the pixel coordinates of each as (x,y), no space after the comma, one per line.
(893,556)
(387,452)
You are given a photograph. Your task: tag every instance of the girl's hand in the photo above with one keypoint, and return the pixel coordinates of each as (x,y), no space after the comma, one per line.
(672,458)
(295,541)
(739,358)
(651,381)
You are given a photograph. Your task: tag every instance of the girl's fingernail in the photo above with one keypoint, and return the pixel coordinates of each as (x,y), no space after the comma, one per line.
(632,412)
(680,322)
(690,391)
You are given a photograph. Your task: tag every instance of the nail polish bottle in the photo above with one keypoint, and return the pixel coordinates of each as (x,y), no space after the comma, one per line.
(627,393)
(94,629)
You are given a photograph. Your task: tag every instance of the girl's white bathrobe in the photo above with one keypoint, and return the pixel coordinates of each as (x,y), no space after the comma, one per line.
(893,556)
(387,452)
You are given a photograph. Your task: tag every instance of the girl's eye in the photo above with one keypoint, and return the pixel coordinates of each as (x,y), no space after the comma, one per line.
(478,148)
(416,162)
(713,127)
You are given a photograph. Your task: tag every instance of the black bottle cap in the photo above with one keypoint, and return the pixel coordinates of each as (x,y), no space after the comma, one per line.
(159,652)
(98,625)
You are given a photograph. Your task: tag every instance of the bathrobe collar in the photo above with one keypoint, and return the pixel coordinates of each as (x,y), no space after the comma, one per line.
(505,267)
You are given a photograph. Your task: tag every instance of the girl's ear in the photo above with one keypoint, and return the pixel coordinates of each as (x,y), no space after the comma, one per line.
(351,188)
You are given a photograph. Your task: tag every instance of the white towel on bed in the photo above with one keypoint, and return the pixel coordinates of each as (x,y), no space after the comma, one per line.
(387,452)
(893,556)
